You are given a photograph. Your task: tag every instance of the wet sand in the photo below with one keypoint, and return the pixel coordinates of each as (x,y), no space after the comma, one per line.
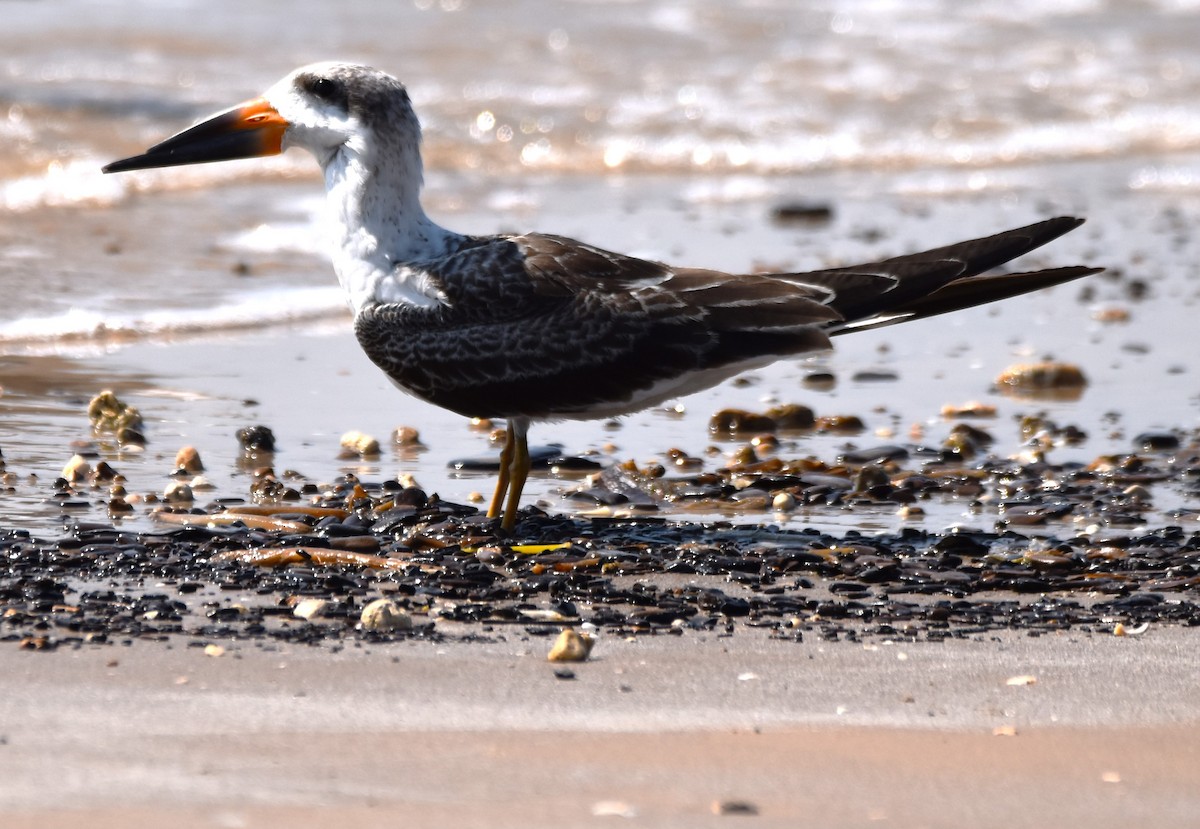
(310,382)
(656,728)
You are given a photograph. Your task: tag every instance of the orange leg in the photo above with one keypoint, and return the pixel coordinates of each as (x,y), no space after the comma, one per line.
(518,429)
(506,459)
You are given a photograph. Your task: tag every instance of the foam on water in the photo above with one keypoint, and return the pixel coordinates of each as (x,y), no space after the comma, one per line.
(83,331)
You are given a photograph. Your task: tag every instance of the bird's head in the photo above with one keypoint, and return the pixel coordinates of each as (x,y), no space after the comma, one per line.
(323,108)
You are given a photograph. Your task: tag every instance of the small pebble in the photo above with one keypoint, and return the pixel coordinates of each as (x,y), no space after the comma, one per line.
(571,646)
(384,614)
(77,469)
(734,807)
(308,608)
(178,492)
(358,444)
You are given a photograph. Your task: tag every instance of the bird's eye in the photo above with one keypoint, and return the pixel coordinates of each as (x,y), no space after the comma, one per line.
(324,89)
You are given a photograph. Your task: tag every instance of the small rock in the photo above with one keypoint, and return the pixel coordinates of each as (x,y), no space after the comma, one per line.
(308,608)
(109,414)
(358,444)
(178,492)
(1042,377)
(77,469)
(406,436)
(840,423)
(384,614)
(256,439)
(571,647)
(802,212)
(972,408)
(792,416)
(1156,441)
(187,461)
(734,807)
(739,421)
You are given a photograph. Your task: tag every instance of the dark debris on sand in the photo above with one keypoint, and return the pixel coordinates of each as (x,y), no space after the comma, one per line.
(459,577)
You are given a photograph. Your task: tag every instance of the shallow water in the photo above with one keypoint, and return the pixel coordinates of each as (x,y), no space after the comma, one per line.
(668,130)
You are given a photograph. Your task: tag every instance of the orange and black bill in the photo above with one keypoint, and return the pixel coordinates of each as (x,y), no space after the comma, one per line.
(252,129)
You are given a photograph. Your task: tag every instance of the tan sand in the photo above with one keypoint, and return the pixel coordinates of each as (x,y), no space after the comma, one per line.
(658,729)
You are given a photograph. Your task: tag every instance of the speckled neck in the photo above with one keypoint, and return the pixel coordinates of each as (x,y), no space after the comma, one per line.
(381,233)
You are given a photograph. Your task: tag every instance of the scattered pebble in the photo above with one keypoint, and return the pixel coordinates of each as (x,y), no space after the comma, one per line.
(77,469)
(308,609)
(359,445)
(972,408)
(111,415)
(384,615)
(255,439)
(613,808)
(571,646)
(406,436)
(734,807)
(178,492)
(1042,377)
(802,212)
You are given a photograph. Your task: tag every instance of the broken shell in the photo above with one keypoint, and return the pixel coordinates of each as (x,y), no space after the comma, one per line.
(308,608)
(358,444)
(187,460)
(1119,629)
(571,646)
(384,614)
(214,650)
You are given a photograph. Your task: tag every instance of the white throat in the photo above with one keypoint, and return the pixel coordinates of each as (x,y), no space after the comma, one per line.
(381,236)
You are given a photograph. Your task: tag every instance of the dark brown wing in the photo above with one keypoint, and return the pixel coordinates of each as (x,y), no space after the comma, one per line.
(943,279)
(546,327)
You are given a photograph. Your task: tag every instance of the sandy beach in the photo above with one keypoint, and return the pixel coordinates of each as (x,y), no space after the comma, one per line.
(653,731)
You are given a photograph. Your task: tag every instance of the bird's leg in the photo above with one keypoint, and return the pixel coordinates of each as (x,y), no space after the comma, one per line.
(506,458)
(518,433)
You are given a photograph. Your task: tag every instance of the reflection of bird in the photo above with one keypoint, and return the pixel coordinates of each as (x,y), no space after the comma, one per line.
(540,327)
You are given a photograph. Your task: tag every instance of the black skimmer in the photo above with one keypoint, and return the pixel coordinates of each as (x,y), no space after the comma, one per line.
(539,327)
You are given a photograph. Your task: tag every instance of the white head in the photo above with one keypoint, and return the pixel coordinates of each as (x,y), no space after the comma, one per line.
(325,108)
(339,107)
(360,125)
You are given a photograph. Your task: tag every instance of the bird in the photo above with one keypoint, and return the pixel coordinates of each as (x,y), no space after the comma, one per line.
(537,327)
